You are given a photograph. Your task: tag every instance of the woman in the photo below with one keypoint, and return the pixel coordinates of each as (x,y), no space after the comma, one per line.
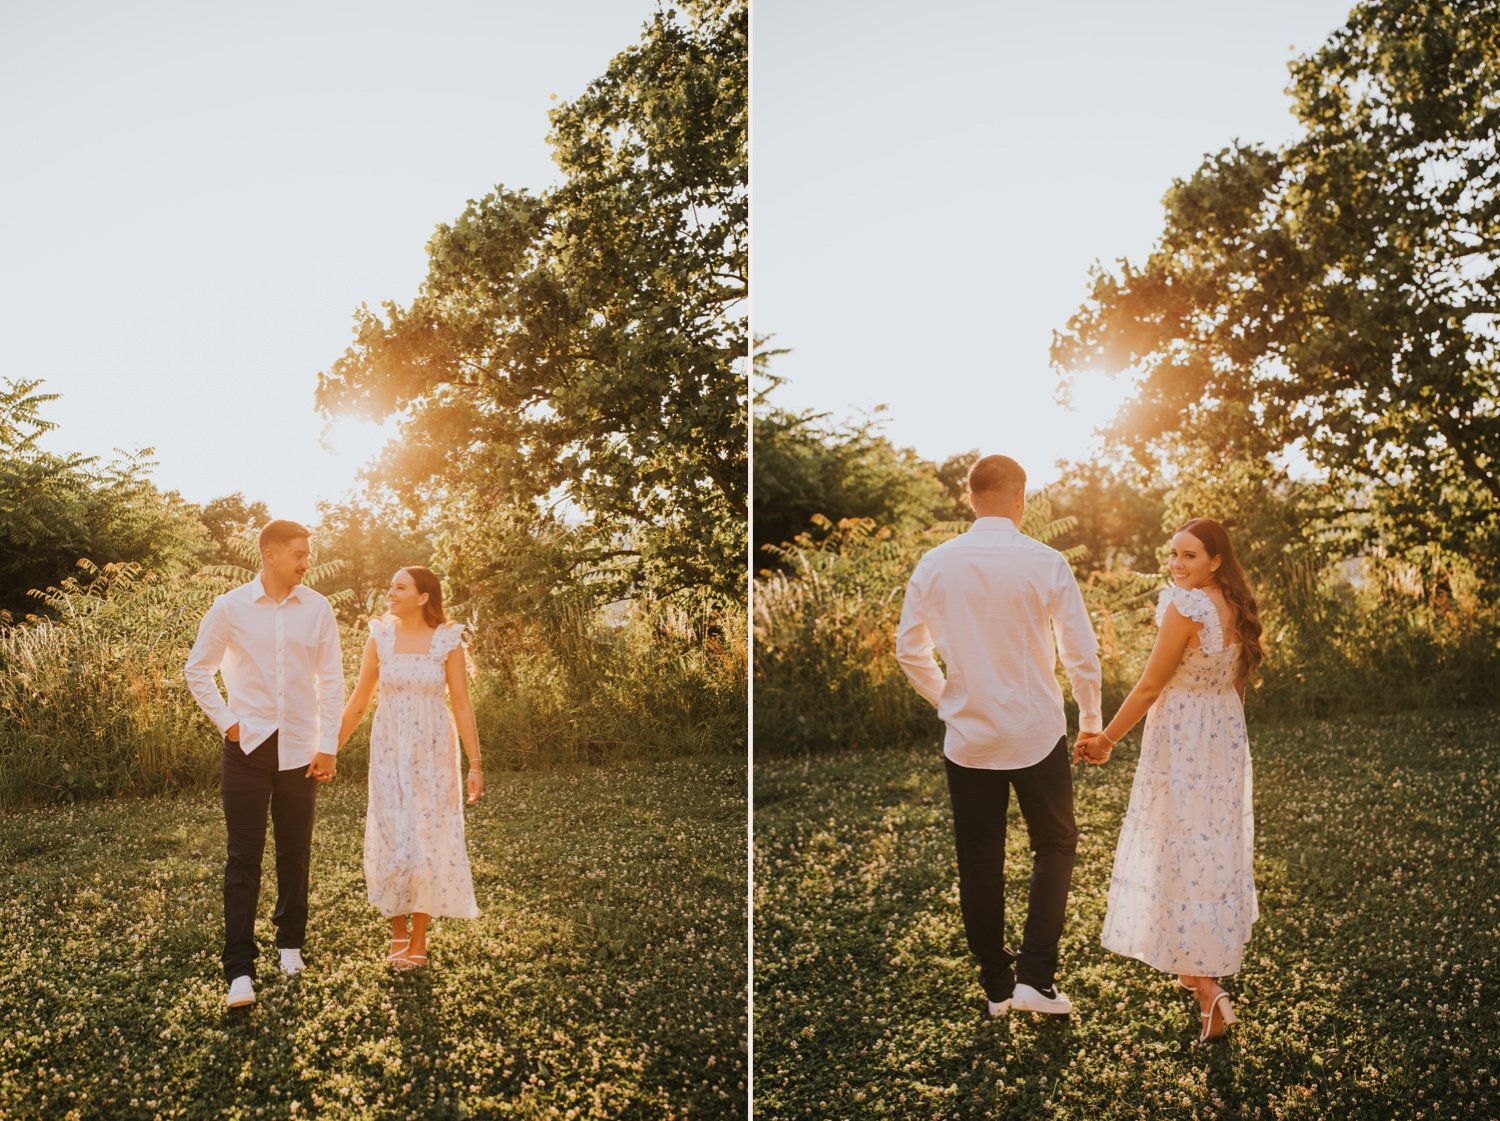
(415,860)
(1182,897)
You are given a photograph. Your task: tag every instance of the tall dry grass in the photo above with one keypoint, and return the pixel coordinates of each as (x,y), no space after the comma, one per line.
(1385,634)
(825,626)
(93,700)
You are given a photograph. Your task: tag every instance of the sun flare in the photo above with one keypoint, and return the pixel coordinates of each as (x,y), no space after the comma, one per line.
(1096,398)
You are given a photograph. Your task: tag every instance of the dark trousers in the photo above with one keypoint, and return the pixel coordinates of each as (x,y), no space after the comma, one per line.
(980,801)
(250,784)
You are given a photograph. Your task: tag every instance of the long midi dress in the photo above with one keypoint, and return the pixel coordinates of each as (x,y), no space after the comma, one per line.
(415,857)
(1182,896)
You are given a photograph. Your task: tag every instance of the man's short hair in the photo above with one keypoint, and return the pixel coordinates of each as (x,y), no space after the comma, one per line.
(997,474)
(280,532)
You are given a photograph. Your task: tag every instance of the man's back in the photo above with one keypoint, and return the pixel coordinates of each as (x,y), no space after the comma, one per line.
(989,602)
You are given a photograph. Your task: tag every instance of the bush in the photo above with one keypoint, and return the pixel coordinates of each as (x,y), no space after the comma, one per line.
(825,627)
(1383,634)
(93,702)
(825,667)
(661,679)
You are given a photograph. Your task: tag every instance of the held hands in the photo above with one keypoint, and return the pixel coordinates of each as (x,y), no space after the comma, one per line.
(323,767)
(1092,747)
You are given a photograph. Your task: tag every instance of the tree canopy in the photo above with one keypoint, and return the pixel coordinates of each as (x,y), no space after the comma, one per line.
(57,509)
(1336,299)
(573,371)
(226,519)
(807,467)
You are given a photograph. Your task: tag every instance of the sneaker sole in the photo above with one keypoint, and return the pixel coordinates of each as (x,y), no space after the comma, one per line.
(240,1003)
(998,1008)
(1046,1009)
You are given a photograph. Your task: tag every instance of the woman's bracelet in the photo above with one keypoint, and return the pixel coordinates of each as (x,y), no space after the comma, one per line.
(1107,740)
(475,768)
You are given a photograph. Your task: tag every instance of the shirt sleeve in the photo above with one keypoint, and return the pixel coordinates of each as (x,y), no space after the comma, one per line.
(204,661)
(1078,648)
(330,683)
(914,645)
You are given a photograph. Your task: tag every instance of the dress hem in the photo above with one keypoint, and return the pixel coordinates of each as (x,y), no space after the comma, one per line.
(437,914)
(1190,970)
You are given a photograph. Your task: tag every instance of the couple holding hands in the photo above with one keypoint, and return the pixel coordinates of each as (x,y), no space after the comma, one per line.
(1182,894)
(276,644)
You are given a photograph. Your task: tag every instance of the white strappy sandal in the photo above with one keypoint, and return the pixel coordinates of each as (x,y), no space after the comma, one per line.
(396,959)
(1227,1015)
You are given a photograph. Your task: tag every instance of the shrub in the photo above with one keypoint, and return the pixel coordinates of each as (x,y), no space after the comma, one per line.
(660,678)
(94,702)
(1382,634)
(825,628)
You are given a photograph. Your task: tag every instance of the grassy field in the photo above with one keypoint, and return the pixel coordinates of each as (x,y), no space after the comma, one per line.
(606,977)
(1370,986)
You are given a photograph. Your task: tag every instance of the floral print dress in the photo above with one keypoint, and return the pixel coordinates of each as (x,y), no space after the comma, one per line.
(1182,897)
(415,858)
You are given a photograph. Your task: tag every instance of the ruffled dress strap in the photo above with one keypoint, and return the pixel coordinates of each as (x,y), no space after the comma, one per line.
(384,633)
(449,637)
(1194,604)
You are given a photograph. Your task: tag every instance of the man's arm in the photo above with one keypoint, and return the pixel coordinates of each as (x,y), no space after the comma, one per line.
(914,647)
(330,674)
(204,661)
(330,683)
(1078,648)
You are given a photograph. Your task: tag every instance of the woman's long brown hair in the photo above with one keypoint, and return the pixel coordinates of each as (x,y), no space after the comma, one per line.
(1237,593)
(426,581)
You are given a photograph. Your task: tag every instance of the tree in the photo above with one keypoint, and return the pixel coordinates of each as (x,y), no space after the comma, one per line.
(227,518)
(1119,514)
(580,355)
(372,539)
(1338,298)
(806,467)
(58,509)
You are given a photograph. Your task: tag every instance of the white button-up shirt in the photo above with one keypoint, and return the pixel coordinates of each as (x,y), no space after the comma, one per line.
(282,666)
(990,602)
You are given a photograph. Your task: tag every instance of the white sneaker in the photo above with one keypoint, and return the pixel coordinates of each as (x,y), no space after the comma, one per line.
(292,963)
(999,1007)
(241,992)
(1028,999)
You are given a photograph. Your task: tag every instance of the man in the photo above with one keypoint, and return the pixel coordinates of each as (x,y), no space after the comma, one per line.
(278,646)
(989,602)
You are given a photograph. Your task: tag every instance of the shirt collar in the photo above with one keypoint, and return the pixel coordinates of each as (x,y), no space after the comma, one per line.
(993,525)
(258,592)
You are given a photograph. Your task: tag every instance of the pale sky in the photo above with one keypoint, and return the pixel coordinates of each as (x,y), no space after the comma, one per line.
(195,198)
(931,184)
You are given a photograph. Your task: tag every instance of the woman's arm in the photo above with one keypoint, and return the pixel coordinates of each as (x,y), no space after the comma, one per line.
(1171,643)
(359,700)
(456,670)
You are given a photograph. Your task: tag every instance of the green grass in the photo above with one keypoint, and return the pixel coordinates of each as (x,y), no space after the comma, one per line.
(1370,983)
(605,978)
